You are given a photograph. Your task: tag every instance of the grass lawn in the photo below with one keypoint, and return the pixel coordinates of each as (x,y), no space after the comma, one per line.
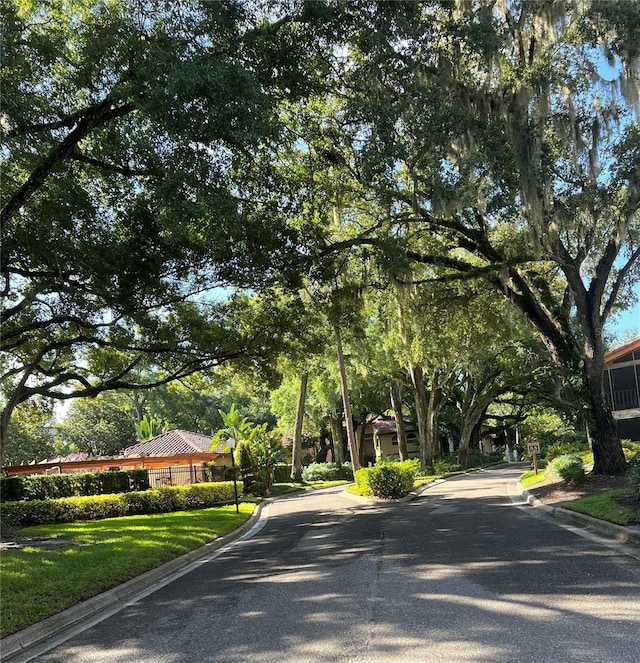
(286,488)
(529,478)
(606,507)
(37,582)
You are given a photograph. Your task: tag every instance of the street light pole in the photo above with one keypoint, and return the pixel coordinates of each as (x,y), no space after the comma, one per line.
(232,445)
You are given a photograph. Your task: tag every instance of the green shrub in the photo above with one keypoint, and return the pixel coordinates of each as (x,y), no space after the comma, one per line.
(244,458)
(447,464)
(138,479)
(258,488)
(114,482)
(96,507)
(10,489)
(63,510)
(392,480)
(76,484)
(569,467)
(327,472)
(634,481)
(361,479)
(387,479)
(556,450)
(282,473)
(634,461)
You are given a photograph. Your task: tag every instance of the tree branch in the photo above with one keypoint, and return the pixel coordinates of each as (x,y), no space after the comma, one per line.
(100,114)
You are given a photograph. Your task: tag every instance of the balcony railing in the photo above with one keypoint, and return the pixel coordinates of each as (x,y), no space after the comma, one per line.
(625,399)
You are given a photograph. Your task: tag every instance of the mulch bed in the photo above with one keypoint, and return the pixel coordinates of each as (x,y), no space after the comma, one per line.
(554,493)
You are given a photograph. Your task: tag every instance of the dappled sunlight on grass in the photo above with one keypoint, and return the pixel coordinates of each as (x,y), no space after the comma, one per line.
(40,581)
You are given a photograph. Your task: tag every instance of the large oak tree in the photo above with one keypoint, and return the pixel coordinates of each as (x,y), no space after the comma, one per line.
(503,139)
(137,143)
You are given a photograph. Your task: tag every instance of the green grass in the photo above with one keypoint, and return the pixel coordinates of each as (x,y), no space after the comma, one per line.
(38,582)
(605,507)
(424,480)
(286,488)
(529,478)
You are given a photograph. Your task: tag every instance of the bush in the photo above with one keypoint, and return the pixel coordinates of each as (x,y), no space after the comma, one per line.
(569,467)
(76,484)
(282,473)
(634,461)
(556,450)
(96,507)
(447,464)
(327,472)
(634,482)
(63,510)
(391,480)
(361,479)
(631,450)
(388,480)
(10,489)
(258,488)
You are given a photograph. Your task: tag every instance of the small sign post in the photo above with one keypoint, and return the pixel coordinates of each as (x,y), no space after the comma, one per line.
(534,449)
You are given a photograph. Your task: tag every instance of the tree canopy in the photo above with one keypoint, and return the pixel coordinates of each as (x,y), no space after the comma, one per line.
(496,140)
(136,144)
(187,184)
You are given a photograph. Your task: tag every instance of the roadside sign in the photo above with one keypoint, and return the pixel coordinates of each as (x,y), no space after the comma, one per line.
(533,448)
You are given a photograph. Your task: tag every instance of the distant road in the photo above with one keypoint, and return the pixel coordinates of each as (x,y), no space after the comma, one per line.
(458,575)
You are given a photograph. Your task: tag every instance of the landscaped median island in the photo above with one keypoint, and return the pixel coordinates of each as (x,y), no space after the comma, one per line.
(391,479)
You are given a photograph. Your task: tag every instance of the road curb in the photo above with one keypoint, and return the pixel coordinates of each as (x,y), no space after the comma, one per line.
(48,628)
(602,527)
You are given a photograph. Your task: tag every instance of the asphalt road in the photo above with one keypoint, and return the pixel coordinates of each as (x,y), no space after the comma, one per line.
(459,574)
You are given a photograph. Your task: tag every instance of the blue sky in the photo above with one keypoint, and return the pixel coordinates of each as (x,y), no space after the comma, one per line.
(625,322)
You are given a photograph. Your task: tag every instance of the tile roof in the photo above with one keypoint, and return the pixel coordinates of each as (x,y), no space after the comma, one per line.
(386,426)
(172,443)
(622,350)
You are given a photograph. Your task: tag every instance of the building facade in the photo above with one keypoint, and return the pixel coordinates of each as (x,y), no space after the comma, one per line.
(622,388)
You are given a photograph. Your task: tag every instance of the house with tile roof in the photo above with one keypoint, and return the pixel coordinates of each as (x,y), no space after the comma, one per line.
(174,443)
(172,458)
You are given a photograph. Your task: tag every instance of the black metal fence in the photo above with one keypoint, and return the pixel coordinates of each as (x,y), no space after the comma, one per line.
(183,475)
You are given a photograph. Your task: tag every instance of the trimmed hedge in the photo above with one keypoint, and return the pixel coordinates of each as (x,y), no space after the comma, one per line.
(326,472)
(97,507)
(78,484)
(387,480)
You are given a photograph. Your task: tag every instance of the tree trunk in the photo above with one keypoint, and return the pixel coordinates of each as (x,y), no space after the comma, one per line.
(359,435)
(463,447)
(321,456)
(296,451)
(338,444)
(608,457)
(434,404)
(396,405)
(351,438)
(420,397)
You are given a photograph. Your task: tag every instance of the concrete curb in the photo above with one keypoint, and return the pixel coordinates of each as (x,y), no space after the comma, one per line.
(56,624)
(629,535)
